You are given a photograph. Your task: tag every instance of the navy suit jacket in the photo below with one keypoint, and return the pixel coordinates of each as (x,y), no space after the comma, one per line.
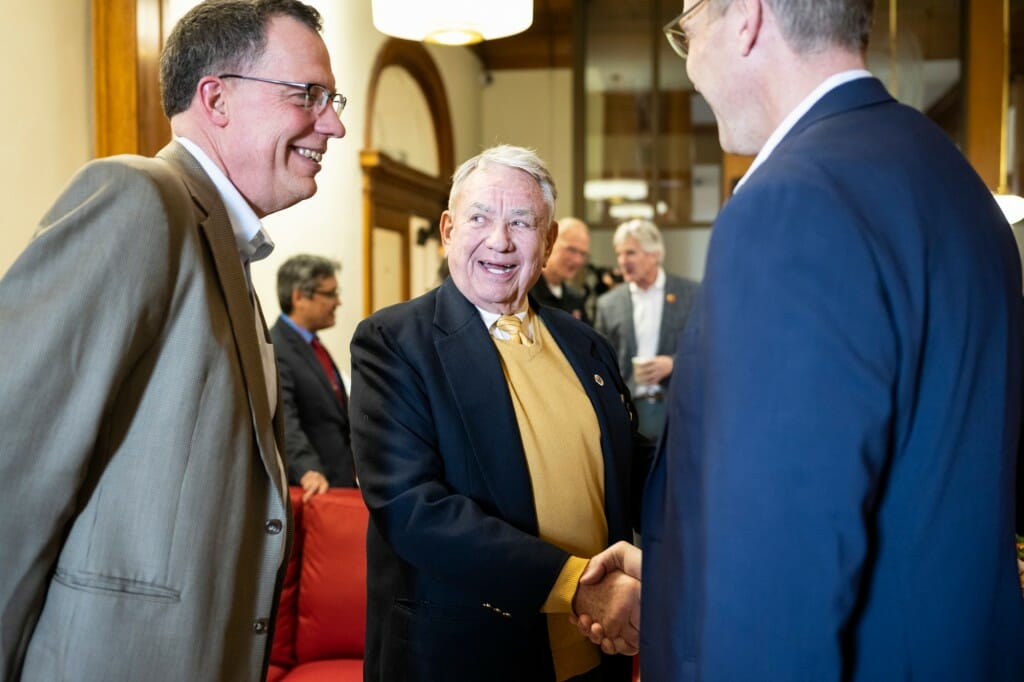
(456,572)
(834,495)
(316,423)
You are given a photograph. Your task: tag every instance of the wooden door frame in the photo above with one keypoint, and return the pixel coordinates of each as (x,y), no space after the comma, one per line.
(393,191)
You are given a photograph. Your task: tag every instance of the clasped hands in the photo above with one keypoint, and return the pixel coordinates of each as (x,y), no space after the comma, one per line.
(607,601)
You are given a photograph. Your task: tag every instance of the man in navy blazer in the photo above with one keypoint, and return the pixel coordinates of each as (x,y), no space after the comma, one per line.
(472,569)
(313,396)
(834,496)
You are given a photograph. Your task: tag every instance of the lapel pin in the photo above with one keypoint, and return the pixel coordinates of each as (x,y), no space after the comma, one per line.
(671,298)
(599,380)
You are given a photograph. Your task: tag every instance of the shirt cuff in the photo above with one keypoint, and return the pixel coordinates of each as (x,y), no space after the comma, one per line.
(560,598)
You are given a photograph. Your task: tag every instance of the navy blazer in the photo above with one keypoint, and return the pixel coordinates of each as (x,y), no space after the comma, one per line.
(316,423)
(834,496)
(456,572)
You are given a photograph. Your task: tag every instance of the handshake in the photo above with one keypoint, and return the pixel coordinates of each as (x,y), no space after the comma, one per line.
(606,607)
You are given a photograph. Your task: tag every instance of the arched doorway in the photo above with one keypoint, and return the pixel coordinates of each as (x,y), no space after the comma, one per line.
(402,202)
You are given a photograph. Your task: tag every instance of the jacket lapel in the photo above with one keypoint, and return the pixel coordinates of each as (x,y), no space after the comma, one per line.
(240,308)
(478,384)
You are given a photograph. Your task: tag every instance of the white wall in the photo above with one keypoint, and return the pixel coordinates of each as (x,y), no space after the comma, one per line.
(47,121)
(533,108)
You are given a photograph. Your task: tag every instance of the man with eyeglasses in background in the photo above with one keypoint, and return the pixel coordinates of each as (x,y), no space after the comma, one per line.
(834,495)
(147,519)
(554,288)
(313,394)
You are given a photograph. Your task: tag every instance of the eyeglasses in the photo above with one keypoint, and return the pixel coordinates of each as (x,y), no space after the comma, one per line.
(317,96)
(331,293)
(676,36)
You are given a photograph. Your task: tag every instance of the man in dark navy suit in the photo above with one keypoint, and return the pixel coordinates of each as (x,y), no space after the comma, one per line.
(494,440)
(834,495)
(319,453)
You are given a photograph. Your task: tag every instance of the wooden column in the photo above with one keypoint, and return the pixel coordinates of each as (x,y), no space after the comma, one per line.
(127,37)
(986,80)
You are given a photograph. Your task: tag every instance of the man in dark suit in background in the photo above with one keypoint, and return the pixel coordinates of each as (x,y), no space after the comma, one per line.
(494,442)
(319,453)
(554,287)
(643,318)
(834,495)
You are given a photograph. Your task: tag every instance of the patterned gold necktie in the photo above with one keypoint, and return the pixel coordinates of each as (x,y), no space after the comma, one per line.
(513,326)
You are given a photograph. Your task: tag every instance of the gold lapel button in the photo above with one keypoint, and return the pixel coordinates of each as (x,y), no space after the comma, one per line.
(599,380)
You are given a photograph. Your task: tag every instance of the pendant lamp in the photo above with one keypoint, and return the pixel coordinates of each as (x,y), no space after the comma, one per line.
(451,22)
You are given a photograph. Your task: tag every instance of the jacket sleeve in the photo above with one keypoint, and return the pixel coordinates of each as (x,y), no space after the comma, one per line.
(77,309)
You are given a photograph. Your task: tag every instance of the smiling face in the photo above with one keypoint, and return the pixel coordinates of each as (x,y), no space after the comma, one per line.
(497,236)
(272,146)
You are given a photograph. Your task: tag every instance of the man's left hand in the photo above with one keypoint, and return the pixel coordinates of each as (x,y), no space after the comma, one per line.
(654,371)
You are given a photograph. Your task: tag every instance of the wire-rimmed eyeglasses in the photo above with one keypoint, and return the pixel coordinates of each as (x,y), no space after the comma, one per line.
(317,96)
(674,32)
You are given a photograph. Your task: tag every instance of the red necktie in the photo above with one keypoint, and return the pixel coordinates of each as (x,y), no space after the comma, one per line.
(328,365)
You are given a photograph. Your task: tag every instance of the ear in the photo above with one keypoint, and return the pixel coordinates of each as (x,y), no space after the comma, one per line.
(212,100)
(446,229)
(296,297)
(750,28)
(550,240)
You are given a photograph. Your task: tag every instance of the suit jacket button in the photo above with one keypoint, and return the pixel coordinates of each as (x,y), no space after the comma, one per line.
(259,626)
(274,526)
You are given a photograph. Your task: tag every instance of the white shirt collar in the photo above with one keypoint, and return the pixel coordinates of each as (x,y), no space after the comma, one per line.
(827,85)
(490,318)
(252,240)
(659,284)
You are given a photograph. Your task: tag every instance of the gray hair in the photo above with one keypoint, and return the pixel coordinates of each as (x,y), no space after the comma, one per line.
(814,25)
(646,234)
(511,156)
(217,36)
(302,273)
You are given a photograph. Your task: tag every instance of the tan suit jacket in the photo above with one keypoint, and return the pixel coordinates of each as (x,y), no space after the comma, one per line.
(144,523)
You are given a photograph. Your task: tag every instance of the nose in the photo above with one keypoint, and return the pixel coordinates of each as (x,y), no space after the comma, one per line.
(497,237)
(329,123)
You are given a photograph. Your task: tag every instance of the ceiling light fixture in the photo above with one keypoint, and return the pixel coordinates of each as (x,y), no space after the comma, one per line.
(451,22)
(621,189)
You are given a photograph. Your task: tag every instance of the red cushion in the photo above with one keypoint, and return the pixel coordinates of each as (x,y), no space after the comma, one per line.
(275,673)
(332,594)
(283,651)
(338,670)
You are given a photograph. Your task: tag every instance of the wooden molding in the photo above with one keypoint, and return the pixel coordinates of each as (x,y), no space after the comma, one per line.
(986,81)
(415,59)
(392,193)
(127,38)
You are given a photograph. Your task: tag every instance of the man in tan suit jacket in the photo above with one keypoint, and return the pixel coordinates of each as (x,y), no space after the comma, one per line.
(146,514)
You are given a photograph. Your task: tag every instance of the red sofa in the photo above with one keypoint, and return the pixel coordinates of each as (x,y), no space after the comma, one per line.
(321,620)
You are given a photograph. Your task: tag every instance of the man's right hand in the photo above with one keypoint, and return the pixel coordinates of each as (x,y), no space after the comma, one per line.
(613,605)
(313,483)
(623,557)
